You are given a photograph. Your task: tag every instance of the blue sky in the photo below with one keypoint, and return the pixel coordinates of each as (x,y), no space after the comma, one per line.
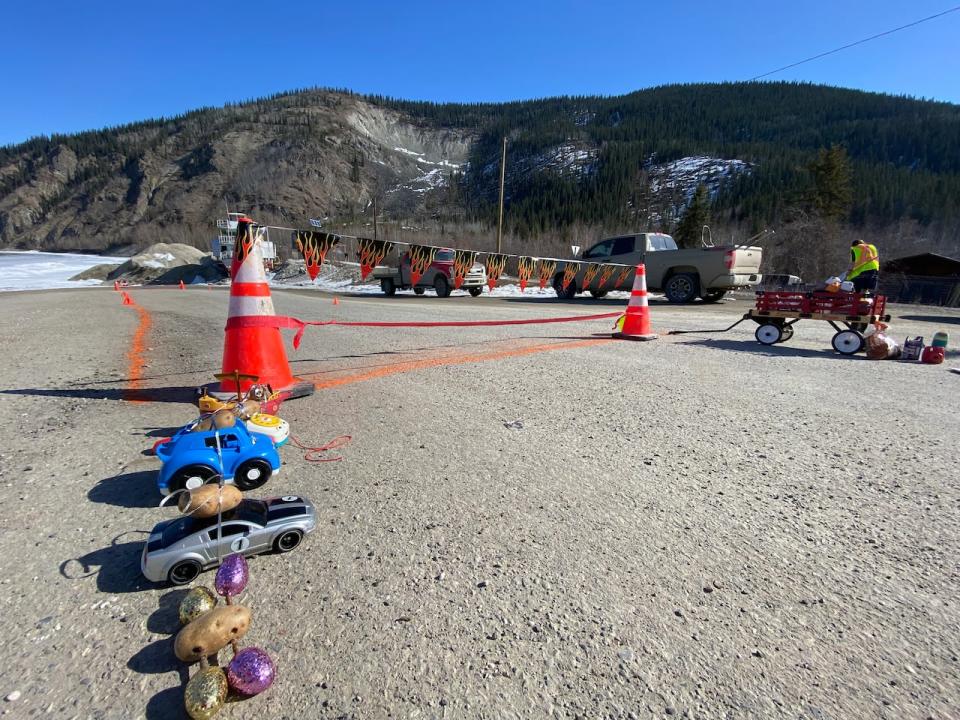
(69,66)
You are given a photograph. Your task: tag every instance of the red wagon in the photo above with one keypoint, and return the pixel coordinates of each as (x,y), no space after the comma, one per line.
(778,311)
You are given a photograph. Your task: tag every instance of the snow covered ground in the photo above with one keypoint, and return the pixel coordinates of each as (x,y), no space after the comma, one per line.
(33,270)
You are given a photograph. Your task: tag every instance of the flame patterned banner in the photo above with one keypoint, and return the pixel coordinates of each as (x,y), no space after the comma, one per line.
(606,272)
(495,265)
(421,257)
(545,272)
(590,274)
(463,261)
(525,268)
(624,274)
(570,271)
(243,244)
(314,247)
(371,253)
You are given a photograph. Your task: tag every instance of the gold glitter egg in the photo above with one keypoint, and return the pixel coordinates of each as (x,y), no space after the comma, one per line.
(205,694)
(197,602)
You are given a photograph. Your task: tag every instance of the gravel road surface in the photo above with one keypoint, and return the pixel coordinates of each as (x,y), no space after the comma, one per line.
(531,521)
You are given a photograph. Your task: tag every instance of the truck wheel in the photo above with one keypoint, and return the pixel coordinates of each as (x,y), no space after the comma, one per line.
(419,291)
(388,287)
(442,286)
(191,477)
(682,287)
(712,296)
(184,572)
(475,292)
(768,334)
(562,294)
(252,474)
(598,293)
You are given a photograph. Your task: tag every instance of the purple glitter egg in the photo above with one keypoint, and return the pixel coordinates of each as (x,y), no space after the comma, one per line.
(232,575)
(251,671)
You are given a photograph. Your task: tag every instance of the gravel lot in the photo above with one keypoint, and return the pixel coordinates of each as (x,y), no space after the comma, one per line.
(698,526)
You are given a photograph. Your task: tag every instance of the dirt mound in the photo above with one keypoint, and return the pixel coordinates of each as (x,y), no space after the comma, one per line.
(168,264)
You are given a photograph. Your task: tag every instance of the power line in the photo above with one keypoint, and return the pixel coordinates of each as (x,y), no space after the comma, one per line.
(858,42)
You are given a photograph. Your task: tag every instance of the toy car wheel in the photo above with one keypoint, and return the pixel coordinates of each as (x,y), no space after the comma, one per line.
(191,477)
(252,474)
(184,572)
(419,291)
(288,541)
(475,291)
(847,342)
(786,332)
(768,334)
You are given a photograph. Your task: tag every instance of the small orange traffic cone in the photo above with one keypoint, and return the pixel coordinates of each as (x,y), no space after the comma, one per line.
(182,286)
(116,285)
(636,321)
(253,345)
(127,300)
(336,300)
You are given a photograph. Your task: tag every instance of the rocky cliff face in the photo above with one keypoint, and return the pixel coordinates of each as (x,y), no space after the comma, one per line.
(325,154)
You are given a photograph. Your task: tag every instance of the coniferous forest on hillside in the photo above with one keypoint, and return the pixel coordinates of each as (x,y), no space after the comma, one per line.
(818,162)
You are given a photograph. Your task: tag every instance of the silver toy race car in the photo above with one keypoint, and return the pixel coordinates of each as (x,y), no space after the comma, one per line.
(179,549)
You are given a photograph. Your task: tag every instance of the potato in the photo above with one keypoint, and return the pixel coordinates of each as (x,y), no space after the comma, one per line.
(211,632)
(202,502)
(223,419)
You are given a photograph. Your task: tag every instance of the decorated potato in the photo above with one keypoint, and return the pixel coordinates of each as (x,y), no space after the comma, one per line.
(211,632)
(203,502)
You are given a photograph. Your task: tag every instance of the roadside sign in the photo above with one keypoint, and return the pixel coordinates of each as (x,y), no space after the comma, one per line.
(575,249)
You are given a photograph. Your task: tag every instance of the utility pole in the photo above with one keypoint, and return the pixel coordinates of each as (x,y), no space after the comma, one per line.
(374,214)
(503,167)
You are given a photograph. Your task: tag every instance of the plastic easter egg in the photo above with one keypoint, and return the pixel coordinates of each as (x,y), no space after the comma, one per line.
(205,694)
(232,575)
(251,671)
(197,602)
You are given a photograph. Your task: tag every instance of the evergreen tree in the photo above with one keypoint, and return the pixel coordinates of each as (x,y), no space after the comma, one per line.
(832,183)
(694,218)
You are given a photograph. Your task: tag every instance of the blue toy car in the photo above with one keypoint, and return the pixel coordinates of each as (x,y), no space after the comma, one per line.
(190,458)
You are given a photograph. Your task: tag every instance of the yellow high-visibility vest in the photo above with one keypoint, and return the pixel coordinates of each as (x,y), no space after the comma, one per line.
(866,258)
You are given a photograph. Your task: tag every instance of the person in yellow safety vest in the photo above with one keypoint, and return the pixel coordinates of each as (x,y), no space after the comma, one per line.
(864,269)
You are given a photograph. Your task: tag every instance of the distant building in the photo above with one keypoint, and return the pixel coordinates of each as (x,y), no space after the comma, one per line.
(928,278)
(222,246)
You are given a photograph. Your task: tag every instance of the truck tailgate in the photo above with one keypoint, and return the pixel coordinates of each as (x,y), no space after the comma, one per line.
(746,260)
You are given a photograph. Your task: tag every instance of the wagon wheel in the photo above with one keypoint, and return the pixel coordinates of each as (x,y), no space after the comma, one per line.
(786,333)
(768,334)
(847,342)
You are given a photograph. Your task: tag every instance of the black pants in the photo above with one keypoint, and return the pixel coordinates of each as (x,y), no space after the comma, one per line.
(866,280)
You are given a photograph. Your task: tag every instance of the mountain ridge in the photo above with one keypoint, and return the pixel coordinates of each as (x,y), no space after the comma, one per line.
(576,159)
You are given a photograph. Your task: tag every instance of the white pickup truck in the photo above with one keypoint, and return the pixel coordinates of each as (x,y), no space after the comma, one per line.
(682,275)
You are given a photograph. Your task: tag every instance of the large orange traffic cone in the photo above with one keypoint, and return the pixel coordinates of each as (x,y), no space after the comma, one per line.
(249,348)
(636,322)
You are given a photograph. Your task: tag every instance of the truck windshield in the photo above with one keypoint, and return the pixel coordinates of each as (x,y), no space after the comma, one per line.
(444,256)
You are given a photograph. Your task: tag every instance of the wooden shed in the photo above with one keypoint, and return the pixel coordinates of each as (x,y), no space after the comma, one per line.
(928,278)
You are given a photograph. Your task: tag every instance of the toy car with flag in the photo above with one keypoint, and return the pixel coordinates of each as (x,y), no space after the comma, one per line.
(191,458)
(179,549)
